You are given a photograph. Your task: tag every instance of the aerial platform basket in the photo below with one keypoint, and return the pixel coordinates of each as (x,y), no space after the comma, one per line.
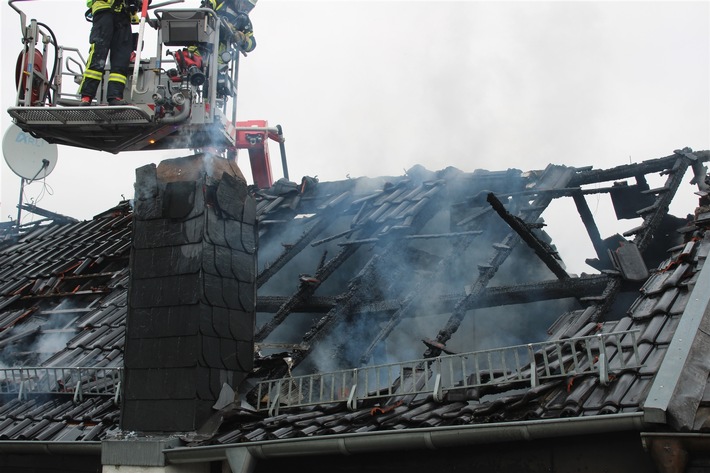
(118,128)
(173,105)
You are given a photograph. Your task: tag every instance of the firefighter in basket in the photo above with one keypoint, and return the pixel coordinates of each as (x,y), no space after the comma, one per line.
(236,34)
(240,30)
(110,33)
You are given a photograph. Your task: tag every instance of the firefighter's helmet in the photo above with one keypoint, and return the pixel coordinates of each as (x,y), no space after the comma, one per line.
(245,6)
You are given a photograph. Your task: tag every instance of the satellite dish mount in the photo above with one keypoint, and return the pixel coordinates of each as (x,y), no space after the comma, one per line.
(29,157)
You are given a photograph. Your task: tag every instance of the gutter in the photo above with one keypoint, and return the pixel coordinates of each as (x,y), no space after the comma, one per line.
(34,447)
(429,438)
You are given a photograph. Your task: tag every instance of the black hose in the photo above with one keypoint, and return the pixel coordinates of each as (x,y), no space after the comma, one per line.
(56,54)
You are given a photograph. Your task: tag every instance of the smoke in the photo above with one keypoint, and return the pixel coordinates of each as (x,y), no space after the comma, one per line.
(50,344)
(481,329)
(277,238)
(55,332)
(424,270)
(208,160)
(39,337)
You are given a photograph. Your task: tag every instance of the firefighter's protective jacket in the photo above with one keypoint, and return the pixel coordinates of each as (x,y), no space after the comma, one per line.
(98,5)
(239,23)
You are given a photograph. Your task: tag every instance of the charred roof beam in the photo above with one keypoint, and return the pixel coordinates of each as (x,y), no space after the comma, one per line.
(57,218)
(585,214)
(542,250)
(312,304)
(414,237)
(359,285)
(653,215)
(319,328)
(420,291)
(582,287)
(322,222)
(651,221)
(305,290)
(309,285)
(553,177)
(650,166)
(290,251)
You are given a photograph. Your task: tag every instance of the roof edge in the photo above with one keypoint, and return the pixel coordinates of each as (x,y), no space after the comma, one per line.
(429,438)
(677,364)
(50,447)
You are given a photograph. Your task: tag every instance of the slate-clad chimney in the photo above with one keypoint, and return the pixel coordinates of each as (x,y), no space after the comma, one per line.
(192,294)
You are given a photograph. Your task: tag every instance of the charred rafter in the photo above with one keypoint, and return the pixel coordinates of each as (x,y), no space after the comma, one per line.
(360,287)
(420,291)
(305,290)
(312,304)
(416,237)
(541,249)
(625,171)
(348,302)
(290,251)
(592,230)
(553,177)
(582,287)
(365,229)
(653,215)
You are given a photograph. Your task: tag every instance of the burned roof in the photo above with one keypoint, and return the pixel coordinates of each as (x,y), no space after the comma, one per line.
(62,320)
(570,379)
(452,270)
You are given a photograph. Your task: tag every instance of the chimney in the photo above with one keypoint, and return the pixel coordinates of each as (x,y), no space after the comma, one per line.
(191,299)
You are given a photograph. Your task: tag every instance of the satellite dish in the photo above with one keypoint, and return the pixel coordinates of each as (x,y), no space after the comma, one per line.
(29,157)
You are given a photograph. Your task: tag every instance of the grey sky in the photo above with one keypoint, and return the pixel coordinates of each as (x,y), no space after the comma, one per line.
(374,87)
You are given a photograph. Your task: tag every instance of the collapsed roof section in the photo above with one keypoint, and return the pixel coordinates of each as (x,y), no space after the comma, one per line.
(433,247)
(360,272)
(633,372)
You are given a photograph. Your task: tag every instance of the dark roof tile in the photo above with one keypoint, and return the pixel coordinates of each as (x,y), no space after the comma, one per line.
(15,429)
(33,430)
(654,284)
(680,302)
(92,432)
(653,361)
(653,328)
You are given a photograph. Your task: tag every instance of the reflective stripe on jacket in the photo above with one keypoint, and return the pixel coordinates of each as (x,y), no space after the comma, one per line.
(98,5)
